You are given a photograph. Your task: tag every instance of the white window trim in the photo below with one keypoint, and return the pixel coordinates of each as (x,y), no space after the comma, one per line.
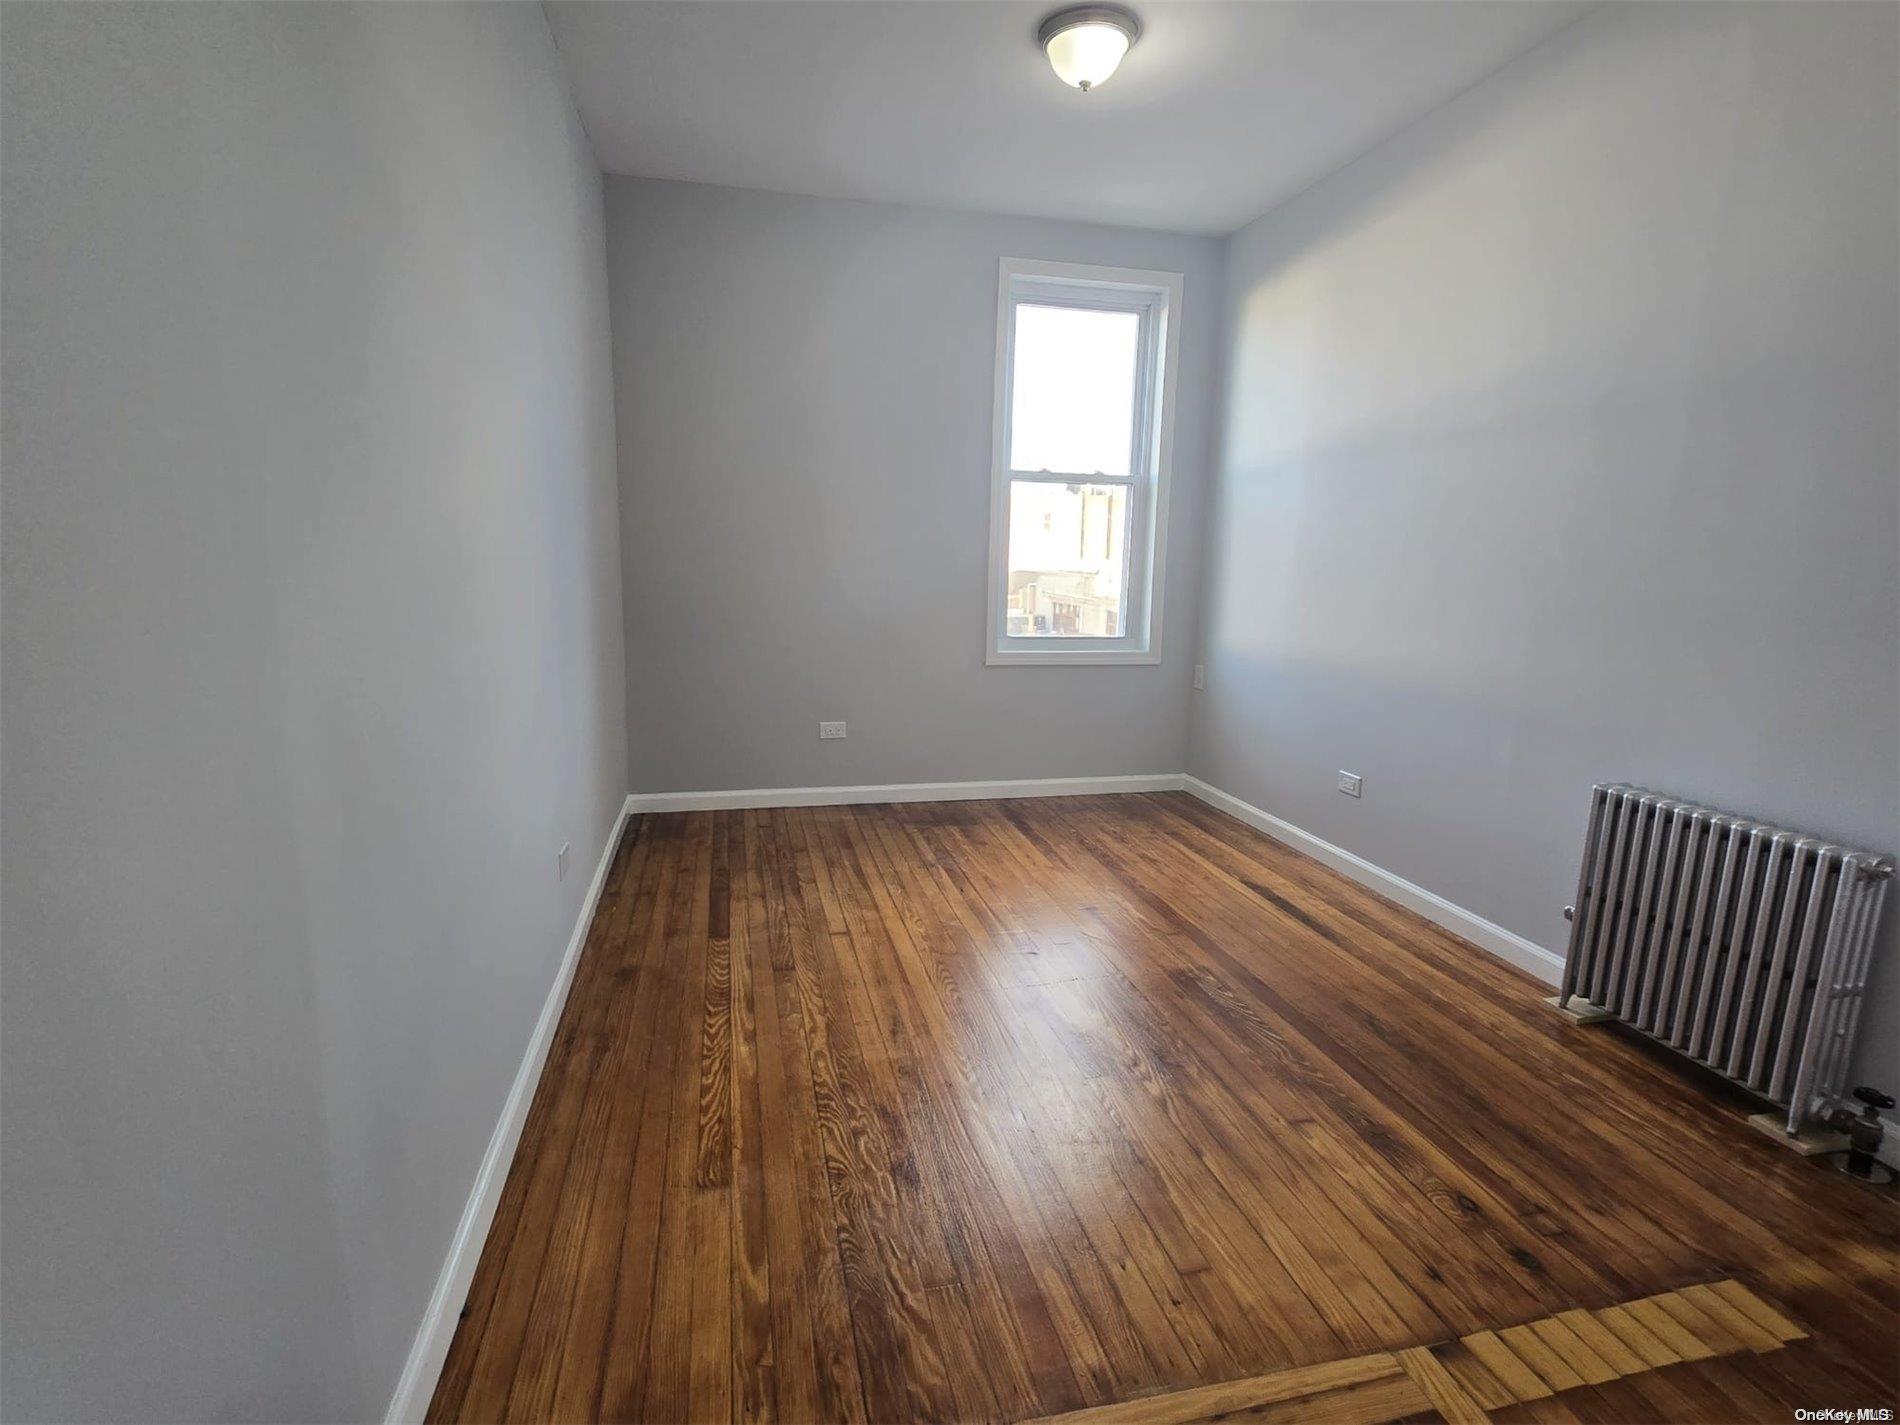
(1148,537)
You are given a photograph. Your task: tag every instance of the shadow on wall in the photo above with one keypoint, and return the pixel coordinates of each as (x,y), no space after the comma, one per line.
(1560,447)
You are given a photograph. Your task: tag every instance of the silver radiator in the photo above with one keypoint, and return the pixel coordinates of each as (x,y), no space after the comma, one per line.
(1742,945)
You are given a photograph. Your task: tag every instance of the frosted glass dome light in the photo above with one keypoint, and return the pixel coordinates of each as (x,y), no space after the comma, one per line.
(1085,43)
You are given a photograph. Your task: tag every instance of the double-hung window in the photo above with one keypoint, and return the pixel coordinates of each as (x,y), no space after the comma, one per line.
(1085,360)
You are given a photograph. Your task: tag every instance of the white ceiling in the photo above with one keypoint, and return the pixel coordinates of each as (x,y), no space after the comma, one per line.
(1219,112)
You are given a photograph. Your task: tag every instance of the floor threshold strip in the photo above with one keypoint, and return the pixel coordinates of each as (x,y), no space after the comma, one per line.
(1465,1379)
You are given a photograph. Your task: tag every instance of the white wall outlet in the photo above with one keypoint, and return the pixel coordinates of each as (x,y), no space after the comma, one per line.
(830,729)
(1200,675)
(1349,783)
(560,860)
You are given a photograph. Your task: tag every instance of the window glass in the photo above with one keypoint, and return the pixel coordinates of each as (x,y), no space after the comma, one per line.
(1072,404)
(1066,548)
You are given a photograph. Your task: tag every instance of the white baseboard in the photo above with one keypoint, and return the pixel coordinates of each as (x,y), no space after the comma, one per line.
(1505,944)
(901,792)
(431,1348)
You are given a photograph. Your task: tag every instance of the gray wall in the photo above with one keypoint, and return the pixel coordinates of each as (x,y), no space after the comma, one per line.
(804,400)
(1560,445)
(313,657)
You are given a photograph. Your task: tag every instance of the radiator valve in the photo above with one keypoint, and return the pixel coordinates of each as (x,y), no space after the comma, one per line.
(1864,1131)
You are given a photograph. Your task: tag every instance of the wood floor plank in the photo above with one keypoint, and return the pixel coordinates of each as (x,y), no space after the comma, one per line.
(1373,1403)
(623,1367)
(1643,1343)
(754,1361)
(1228,1397)
(1473,1375)
(1758,1311)
(1517,1375)
(1110,1108)
(1709,1330)
(711,1359)
(1535,1352)
(1668,1328)
(1738,1323)
(1574,1351)
(814,1337)
(1445,1392)
(1616,1355)
(670,1357)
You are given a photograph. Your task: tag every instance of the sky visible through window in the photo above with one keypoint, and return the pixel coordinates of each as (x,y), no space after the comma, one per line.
(1072,407)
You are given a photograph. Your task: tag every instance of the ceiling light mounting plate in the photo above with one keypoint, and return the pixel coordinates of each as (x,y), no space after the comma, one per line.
(1120,16)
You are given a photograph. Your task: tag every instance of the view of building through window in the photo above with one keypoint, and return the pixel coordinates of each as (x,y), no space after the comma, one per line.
(1065,559)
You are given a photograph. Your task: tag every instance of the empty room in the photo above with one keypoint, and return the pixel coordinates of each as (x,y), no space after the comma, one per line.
(880,711)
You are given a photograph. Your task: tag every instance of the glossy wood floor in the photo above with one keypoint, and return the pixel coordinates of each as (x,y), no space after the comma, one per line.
(999,1110)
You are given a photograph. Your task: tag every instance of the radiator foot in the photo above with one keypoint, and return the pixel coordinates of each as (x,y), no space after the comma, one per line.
(1809,1142)
(1579,1009)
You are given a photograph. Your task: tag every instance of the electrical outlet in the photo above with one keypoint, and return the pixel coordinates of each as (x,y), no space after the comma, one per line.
(1350,783)
(560,860)
(830,729)
(1200,675)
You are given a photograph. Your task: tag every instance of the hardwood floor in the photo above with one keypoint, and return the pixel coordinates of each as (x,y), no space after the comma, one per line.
(1002,1110)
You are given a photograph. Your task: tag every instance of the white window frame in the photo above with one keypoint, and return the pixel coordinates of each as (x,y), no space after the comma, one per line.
(1156,296)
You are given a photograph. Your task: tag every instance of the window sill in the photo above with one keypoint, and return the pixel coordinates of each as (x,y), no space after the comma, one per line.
(1053,657)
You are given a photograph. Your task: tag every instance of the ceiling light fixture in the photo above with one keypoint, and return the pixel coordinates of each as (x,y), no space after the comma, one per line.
(1086,42)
